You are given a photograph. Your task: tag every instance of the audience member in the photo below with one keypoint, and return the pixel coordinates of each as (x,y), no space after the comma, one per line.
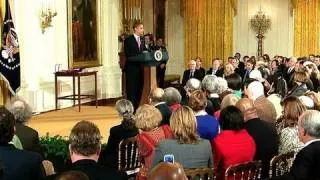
(275,99)
(289,140)
(167,171)
(315,98)
(192,85)
(228,70)
(265,109)
(300,79)
(173,98)
(157,100)
(307,102)
(207,125)
(200,68)
(84,148)
(215,68)
(148,119)
(228,100)
(17,164)
(185,141)
(233,145)
(28,136)
(235,84)
(73,175)
(127,129)
(209,86)
(192,72)
(264,134)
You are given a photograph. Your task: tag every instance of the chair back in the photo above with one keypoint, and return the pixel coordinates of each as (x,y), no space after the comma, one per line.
(244,171)
(281,164)
(200,173)
(128,155)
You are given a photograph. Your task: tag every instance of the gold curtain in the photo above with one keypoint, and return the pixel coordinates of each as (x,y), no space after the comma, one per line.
(208,29)
(306,27)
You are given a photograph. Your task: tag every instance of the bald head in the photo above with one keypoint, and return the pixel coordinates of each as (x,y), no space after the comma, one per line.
(156,95)
(247,108)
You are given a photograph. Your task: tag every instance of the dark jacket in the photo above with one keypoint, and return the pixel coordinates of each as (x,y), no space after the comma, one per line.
(219,72)
(109,155)
(20,164)
(186,76)
(165,112)
(29,138)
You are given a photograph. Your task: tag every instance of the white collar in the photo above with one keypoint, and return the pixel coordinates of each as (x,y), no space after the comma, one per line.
(201,113)
(159,103)
(309,142)
(136,36)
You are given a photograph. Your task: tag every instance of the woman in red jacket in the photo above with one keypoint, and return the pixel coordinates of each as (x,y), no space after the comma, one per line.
(234,144)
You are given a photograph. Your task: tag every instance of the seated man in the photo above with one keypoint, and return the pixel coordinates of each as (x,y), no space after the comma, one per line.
(307,162)
(17,164)
(85,147)
(215,68)
(22,112)
(157,100)
(191,73)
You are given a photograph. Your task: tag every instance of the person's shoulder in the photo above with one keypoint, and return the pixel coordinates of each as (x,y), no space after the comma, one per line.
(129,38)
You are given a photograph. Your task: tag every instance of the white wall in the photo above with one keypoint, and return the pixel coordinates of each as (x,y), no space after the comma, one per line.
(278,40)
(40,52)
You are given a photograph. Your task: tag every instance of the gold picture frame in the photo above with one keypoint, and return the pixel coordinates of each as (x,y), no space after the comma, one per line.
(84,24)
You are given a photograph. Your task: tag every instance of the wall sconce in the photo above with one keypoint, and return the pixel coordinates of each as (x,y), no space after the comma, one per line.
(46,15)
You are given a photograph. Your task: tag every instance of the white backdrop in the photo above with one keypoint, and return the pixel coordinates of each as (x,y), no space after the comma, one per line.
(278,40)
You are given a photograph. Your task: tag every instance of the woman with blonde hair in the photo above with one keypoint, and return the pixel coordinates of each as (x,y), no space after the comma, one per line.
(184,128)
(228,70)
(148,119)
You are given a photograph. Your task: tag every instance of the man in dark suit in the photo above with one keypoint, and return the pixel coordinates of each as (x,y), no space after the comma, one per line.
(161,68)
(133,45)
(190,73)
(22,112)
(289,71)
(17,164)
(85,147)
(215,68)
(157,100)
(263,133)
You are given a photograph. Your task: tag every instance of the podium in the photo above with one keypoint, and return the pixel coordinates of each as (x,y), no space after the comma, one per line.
(149,63)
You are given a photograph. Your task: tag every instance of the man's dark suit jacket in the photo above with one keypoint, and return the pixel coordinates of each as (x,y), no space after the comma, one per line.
(165,112)
(29,138)
(92,169)
(134,71)
(219,72)
(20,164)
(109,155)
(289,77)
(186,76)
(266,138)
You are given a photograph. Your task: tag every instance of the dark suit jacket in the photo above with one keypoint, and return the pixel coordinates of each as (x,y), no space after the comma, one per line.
(165,112)
(266,139)
(20,164)
(29,138)
(186,76)
(219,72)
(289,77)
(92,169)
(109,155)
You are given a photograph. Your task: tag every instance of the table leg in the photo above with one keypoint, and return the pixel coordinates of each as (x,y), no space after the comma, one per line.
(74,90)
(95,89)
(56,90)
(79,92)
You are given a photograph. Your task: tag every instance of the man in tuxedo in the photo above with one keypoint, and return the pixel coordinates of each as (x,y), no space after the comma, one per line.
(133,46)
(307,162)
(190,73)
(17,164)
(215,68)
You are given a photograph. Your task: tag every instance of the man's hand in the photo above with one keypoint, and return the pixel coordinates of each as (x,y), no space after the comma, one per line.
(162,66)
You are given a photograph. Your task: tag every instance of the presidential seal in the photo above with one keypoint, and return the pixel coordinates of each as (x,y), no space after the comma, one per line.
(158,55)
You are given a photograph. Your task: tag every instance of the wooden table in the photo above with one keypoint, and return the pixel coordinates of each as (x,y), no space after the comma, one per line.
(75,96)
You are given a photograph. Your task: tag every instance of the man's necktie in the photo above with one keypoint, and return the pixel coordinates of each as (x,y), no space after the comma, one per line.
(139,42)
(191,75)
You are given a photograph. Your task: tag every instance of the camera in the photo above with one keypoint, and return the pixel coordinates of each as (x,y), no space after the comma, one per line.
(168,158)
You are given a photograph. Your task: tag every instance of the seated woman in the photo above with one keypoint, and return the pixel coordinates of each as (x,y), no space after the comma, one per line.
(173,98)
(185,141)
(127,129)
(234,144)
(289,140)
(300,79)
(148,119)
(207,125)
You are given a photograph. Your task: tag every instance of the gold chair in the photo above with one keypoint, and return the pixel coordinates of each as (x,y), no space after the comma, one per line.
(128,156)
(281,164)
(249,170)
(200,173)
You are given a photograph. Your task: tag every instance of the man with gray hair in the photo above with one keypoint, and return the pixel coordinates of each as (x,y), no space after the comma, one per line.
(307,162)
(157,100)
(211,88)
(173,98)
(28,136)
